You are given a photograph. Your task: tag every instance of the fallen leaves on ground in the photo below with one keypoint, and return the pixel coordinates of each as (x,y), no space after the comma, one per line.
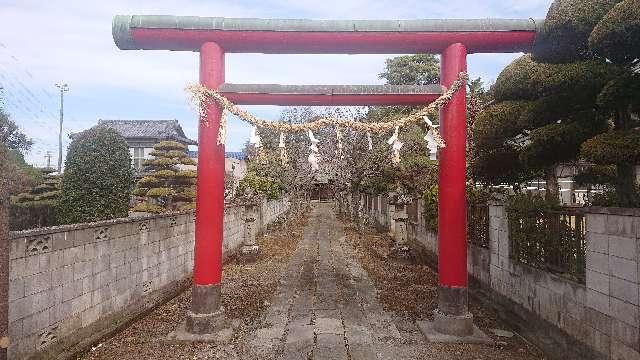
(408,286)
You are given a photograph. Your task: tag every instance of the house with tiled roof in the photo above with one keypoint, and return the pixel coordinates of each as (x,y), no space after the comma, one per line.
(142,135)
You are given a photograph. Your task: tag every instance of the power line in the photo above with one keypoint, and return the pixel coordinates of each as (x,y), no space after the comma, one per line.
(33,102)
(28,95)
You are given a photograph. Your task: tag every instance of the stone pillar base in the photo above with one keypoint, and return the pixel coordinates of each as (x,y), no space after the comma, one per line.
(203,328)
(430,330)
(457,325)
(205,321)
(452,321)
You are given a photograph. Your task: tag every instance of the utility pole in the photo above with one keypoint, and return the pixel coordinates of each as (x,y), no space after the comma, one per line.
(48,157)
(63,88)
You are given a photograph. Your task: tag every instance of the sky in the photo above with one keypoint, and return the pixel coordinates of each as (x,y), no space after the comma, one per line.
(69,41)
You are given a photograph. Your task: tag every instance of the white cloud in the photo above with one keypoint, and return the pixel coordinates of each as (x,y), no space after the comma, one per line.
(71,40)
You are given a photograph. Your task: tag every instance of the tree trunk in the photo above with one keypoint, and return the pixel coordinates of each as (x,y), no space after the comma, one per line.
(552,191)
(517,188)
(626,190)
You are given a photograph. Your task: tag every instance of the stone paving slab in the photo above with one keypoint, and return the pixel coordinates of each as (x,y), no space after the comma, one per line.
(329,326)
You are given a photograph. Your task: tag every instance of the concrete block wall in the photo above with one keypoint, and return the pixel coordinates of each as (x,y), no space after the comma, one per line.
(69,284)
(613,269)
(602,316)
(272,210)
(378,210)
(557,301)
(603,313)
(65,279)
(233,229)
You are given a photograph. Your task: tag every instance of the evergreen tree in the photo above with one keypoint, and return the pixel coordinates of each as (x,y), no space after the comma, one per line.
(608,31)
(541,115)
(36,206)
(96,183)
(168,186)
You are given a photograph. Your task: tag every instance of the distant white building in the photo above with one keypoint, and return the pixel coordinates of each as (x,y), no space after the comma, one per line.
(570,193)
(235,167)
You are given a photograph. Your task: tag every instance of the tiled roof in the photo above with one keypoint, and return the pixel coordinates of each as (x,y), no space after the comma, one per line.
(228,155)
(155,129)
(235,155)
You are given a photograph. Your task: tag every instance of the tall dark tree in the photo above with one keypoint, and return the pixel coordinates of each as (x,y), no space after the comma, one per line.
(607,31)
(420,69)
(13,144)
(538,119)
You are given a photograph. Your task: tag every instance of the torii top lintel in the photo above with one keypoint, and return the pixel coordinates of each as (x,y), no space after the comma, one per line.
(280,36)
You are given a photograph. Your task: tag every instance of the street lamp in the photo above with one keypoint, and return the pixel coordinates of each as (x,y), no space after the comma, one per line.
(63,88)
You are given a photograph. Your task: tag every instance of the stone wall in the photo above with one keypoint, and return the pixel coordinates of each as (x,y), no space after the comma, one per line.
(570,320)
(4,277)
(72,284)
(271,211)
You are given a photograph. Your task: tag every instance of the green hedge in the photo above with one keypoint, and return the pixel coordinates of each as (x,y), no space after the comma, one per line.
(35,214)
(266,186)
(97,179)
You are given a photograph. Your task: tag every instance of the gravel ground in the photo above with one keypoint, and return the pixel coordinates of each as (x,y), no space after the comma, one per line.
(408,288)
(247,288)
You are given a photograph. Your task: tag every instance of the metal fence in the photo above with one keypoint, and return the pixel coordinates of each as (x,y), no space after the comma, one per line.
(478,224)
(550,240)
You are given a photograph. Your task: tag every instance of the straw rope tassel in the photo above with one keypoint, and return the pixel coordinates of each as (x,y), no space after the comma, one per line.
(202,96)
(284,158)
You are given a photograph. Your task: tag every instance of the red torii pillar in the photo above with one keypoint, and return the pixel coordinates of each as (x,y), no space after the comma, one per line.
(206,312)
(452,315)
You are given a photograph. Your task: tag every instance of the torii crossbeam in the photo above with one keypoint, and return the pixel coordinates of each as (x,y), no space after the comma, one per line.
(215,36)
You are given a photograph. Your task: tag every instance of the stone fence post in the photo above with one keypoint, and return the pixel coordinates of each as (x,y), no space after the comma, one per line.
(250,217)
(392,216)
(400,246)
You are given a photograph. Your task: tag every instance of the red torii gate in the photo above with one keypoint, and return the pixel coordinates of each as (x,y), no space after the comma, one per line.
(215,36)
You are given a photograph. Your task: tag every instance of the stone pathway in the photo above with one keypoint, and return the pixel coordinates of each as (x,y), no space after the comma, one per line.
(325,306)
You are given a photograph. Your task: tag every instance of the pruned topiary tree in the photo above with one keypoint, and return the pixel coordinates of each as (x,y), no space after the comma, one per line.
(607,31)
(567,27)
(36,206)
(96,183)
(168,186)
(541,116)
